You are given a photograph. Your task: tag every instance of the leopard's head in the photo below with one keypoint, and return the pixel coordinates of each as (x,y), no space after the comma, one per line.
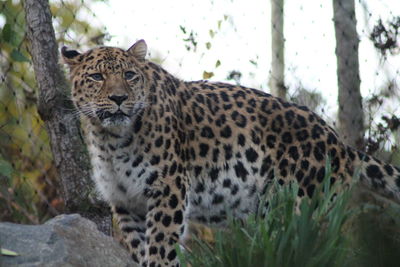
(109,86)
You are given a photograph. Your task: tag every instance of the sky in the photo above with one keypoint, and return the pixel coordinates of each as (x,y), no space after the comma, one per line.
(241,40)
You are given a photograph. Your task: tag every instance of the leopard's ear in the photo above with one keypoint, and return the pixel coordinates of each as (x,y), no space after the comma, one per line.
(138,50)
(70,57)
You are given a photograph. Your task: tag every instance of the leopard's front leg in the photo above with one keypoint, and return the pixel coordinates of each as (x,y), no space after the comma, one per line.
(165,222)
(133,230)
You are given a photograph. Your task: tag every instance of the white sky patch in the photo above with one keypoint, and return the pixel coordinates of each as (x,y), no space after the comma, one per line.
(239,39)
(245,36)
(2,20)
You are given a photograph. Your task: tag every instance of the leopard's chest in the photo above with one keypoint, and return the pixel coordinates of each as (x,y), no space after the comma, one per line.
(120,176)
(221,191)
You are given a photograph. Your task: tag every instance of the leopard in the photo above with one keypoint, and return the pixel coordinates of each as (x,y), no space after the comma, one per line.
(165,151)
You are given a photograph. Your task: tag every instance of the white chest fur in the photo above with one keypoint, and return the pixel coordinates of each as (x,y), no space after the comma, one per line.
(119,174)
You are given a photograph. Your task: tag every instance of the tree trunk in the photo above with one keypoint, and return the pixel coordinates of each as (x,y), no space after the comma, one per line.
(277,79)
(351,117)
(56,110)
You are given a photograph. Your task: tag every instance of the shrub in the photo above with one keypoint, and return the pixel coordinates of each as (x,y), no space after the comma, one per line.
(312,236)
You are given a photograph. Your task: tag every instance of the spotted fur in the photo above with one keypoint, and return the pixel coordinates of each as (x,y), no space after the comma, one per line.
(165,151)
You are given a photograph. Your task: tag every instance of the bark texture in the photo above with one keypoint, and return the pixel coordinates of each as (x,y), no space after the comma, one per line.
(56,110)
(277,79)
(351,116)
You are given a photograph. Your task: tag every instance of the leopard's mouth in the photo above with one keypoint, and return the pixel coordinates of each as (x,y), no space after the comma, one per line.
(117,118)
(118,115)
(122,117)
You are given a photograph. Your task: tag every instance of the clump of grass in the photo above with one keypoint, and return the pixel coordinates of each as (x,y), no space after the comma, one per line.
(313,236)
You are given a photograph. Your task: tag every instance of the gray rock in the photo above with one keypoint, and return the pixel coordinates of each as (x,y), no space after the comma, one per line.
(66,240)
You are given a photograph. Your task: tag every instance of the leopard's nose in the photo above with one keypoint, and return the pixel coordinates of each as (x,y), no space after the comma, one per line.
(118,99)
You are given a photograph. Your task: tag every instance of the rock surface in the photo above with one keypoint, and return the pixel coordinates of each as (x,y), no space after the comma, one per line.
(66,240)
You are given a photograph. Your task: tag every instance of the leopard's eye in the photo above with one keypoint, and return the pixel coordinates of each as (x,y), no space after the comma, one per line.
(129,75)
(96,76)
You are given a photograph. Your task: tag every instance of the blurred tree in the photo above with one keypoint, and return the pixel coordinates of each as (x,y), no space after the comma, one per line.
(277,78)
(383,122)
(385,36)
(30,191)
(351,116)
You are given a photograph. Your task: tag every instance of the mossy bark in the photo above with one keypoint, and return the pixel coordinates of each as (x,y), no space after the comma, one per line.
(55,108)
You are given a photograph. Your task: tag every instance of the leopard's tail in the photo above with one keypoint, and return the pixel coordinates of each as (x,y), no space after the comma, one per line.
(378,176)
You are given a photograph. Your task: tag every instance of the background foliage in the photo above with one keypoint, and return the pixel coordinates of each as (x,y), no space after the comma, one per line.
(28,184)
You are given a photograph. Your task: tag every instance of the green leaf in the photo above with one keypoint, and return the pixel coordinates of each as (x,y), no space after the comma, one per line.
(181,255)
(6,252)
(218,63)
(6,33)
(219,24)
(212,33)
(207,75)
(253,62)
(182,29)
(5,168)
(18,56)
(208,45)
